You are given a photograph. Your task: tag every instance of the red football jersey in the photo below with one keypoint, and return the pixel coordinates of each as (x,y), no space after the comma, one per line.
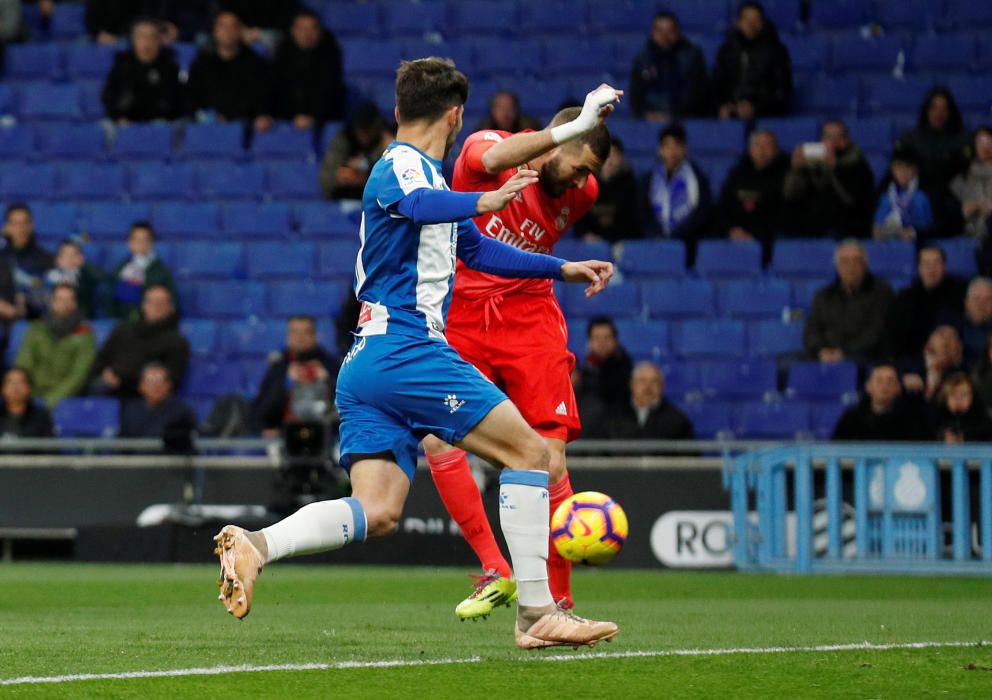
(533,221)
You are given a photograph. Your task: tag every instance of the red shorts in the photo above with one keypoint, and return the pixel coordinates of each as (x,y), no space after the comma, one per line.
(520,342)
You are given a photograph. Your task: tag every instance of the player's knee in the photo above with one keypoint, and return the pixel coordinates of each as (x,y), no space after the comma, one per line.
(556,466)
(434,445)
(534,453)
(382,522)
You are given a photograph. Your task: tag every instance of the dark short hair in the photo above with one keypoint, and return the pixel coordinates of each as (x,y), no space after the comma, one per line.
(905,155)
(601,321)
(674,130)
(16,206)
(931,246)
(598,139)
(155,364)
(667,14)
(308,13)
(835,120)
(303,317)
(65,285)
(750,5)
(142,224)
(429,87)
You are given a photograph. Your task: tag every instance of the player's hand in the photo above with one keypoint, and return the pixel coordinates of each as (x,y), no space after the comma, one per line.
(597,106)
(496,200)
(596,272)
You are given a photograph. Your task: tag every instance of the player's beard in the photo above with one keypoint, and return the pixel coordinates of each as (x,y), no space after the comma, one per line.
(551,180)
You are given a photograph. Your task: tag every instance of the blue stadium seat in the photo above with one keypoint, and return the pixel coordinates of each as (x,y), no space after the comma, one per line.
(637,136)
(873,134)
(67,21)
(675,299)
(88,61)
(92,181)
(14,339)
(89,99)
(786,14)
(17,142)
(715,136)
(283,141)
(370,57)
(230,299)
(459,51)
(187,220)
(230,181)
(710,419)
(960,256)
(714,339)
(716,169)
(18,182)
(45,101)
(644,340)
(653,258)
(957,52)
(253,338)
(771,338)
(762,298)
(616,301)
(891,95)
(507,56)
(55,219)
(803,258)
(415,19)
(624,16)
(101,328)
(143,141)
(113,219)
(352,18)
(972,92)
(554,17)
(915,15)
(294,181)
(213,141)
(244,219)
(7,100)
(737,379)
(792,131)
(72,141)
(825,416)
(267,260)
(200,259)
(162,181)
(839,14)
(774,420)
(681,379)
(891,258)
(35,61)
(577,339)
(804,291)
(701,16)
(336,259)
(319,299)
(821,380)
(184,53)
(481,16)
(201,334)
(87,417)
(320,219)
(809,53)
(212,379)
(854,53)
(967,14)
(716,258)
(829,95)
(567,55)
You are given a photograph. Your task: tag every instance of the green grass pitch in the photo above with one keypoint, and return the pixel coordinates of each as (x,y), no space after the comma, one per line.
(58,619)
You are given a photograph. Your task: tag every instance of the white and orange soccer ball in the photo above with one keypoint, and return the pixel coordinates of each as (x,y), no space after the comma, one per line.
(589,528)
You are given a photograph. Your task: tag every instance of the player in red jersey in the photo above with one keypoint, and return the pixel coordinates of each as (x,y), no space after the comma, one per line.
(513,331)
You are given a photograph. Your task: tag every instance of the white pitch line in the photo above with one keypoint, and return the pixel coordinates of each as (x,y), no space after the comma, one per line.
(400,663)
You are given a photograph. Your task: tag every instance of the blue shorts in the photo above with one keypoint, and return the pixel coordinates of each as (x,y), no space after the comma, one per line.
(394,390)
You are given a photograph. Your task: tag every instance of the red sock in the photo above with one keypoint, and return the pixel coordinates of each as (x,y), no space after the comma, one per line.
(559,568)
(453,479)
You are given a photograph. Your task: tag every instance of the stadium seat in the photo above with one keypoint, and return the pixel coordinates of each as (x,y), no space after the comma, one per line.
(967,15)
(616,301)
(88,61)
(283,141)
(574,55)
(319,299)
(950,53)
(960,256)
(212,379)
(737,379)
(676,299)
(320,219)
(55,219)
(652,258)
(711,420)
(143,142)
(915,15)
(782,420)
(87,417)
(17,142)
(72,141)
(839,14)
(274,260)
(807,258)
(717,259)
(771,338)
(89,99)
(184,53)
(838,96)
(204,259)
(230,299)
(716,169)
(112,220)
(623,16)
(873,134)
(253,338)
(791,131)
(644,340)
(415,19)
(855,53)
(230,181)
(822,380)
(201,334)
(459,51)
(892,95)
(681,379)
(32,61)
(45,101)
(336,259)
(15,336)
(805,290)
(352,18)
(896,259)
(92,181)
(554,17)
(477,16)
(761,298)
(825,416)
(809,53)
(187,220)
(203,141)
(972,92)
(702,339)
(574,249)
(19,182)
(702,16)
(67,21)
(715,136)
(244,219)
(370,57)
(161,181)
(294,181)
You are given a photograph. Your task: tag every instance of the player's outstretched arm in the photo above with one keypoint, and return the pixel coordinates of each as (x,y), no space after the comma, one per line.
(520,148)
(429,206)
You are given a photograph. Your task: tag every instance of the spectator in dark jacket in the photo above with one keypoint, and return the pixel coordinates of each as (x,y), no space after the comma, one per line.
(606,371)
(20,416)
(227,78)
(648,415)
(180,20)
(143,83)
(847,319)
(303,369)
(942,356)
(108,21)
(751,198)
(753,72)
(72,269)
(136,273)
(933,296)
(154,337)
(882,415)
(264,20)
(676,195)
(306,86)
(158,413)
(983,375)
(830,189)
(352,153)
(28,260)
(504,115)
(614,215)
(962,417)
(942,147)
(668,79)
(975,325)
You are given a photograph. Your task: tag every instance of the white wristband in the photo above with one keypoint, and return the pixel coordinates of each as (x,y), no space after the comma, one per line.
(567,131)
(587,119)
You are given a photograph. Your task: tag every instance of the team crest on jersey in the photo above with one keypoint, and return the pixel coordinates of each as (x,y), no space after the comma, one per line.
(562,221)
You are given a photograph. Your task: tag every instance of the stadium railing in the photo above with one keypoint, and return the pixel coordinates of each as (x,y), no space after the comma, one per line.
(791,508)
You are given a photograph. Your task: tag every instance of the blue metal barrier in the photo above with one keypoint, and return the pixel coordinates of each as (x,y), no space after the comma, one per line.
(862,508)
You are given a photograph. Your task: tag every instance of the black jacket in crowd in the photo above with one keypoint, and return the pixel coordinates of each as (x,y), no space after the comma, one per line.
(111,16)
(664,422)
(855,323)
(235,89)
(27,267)
(973,426)
(266,14)
(608,379)
(614,215)
(171,420)
(133,344)
(904,423)
(752,198)
(758,70)
(307,82)
(35,422)
(269,408)
(918,310)
(831,202)
(672,81)
(142,92)
(191,17)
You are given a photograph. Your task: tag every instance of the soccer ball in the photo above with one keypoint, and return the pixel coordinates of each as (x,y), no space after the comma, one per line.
(589,528)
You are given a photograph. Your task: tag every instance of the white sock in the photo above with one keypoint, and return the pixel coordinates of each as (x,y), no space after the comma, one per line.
(317,527)
(523,517)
